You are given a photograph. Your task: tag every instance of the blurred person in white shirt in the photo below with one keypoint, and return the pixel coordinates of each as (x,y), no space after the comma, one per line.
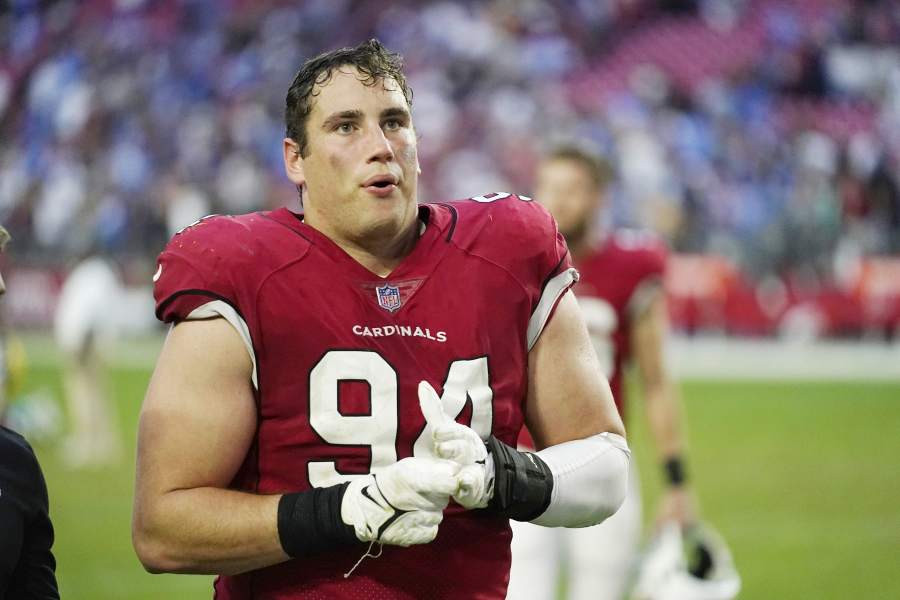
(83,323)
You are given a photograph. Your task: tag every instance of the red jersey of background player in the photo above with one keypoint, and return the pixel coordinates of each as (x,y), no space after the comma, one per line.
(338,354)
(618,279)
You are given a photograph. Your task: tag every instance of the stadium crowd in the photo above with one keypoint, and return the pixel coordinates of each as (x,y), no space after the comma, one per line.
(767,132)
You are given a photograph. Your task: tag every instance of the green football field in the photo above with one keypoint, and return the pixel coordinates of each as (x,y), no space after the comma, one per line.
(802,479)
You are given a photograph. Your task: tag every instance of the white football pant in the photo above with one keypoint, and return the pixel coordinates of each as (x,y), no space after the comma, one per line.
(600,558)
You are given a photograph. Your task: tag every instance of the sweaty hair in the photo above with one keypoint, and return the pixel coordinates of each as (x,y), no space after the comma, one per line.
(599,171)
(375,63)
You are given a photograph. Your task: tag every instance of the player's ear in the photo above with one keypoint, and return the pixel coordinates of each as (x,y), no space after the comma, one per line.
(293,162)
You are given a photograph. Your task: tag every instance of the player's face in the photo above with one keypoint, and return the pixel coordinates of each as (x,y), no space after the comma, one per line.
(565,187)
(361,169)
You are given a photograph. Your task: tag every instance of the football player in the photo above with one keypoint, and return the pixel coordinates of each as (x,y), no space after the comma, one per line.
(334,379)
(621,296)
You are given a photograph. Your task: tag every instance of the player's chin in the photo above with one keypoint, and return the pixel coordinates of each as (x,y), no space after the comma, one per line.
(381,201)
(387,220)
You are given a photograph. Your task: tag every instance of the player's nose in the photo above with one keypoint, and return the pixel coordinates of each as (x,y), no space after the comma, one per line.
(379,146)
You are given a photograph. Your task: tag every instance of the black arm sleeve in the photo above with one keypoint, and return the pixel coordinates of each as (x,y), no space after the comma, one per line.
(523,483)
(310,522)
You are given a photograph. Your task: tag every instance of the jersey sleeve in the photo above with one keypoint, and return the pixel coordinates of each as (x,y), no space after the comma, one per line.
(649,255)
(520,235)
(554,272)
(193,270)
(200,275)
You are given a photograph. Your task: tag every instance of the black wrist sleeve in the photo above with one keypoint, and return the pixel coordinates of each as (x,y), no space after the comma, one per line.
(675,474)
(310,522)
(523,483)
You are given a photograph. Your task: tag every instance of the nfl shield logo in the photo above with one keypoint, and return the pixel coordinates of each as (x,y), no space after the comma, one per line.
(388,297)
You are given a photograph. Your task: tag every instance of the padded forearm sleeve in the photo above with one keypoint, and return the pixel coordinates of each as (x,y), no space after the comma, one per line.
(590,478)
(522,482)
(310,522)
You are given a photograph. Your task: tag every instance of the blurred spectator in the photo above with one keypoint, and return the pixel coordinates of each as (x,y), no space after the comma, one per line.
(765,131)
(85,318)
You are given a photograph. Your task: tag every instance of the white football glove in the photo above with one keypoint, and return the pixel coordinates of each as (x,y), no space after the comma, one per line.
(402,504)
(460,444)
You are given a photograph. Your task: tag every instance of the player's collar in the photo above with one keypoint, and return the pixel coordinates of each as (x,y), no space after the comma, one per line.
(433,221)
(422,218)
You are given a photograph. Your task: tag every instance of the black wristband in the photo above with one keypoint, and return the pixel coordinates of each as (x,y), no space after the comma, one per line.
(523,483)
(310,522)
(675,474)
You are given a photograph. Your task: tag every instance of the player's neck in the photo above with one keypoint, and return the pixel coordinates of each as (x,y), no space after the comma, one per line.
(380,254)
(381,257)
(579,241)
(584,240)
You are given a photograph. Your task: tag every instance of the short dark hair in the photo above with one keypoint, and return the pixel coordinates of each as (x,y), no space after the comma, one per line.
(597,168)
(372,59)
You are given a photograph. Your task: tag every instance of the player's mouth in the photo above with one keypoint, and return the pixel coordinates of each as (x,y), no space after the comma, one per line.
(381,186)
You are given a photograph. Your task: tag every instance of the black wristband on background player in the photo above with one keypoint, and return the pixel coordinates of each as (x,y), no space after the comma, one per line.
(523,483)
(674,468)
(310,522)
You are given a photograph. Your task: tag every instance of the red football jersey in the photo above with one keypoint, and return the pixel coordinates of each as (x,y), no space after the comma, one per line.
(618,278)
(338,353)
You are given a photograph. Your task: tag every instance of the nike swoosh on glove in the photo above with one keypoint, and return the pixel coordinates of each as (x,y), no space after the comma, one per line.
(402,504)
(460,444)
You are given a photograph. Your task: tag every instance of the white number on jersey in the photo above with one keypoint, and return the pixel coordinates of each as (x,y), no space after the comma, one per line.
(377,430)
(466,379)
(601,320)
(492,197)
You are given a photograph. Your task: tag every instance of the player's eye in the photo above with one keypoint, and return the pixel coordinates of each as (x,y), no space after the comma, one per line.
(345,127)
(393,124)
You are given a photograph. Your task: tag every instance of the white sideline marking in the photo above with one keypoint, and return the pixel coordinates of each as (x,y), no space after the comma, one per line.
(721,358)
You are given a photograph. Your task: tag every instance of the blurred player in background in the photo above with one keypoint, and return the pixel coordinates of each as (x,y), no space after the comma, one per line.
(621,297)
(291,414)
(85,319)
(27,565)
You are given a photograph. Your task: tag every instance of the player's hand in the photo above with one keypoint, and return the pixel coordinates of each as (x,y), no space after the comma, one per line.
(402,504)
(677,505)
(460,444)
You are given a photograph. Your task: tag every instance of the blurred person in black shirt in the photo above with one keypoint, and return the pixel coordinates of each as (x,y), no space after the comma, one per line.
(27,566)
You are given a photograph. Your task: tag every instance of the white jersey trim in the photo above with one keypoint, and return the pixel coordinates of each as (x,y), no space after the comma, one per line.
(553,291)
(643,296)
(218,308)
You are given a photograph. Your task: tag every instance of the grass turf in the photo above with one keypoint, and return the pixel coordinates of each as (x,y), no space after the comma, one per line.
(801,478)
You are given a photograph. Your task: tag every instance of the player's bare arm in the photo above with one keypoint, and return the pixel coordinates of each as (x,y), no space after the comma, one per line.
(568,398)
(196,425)
(648,333)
